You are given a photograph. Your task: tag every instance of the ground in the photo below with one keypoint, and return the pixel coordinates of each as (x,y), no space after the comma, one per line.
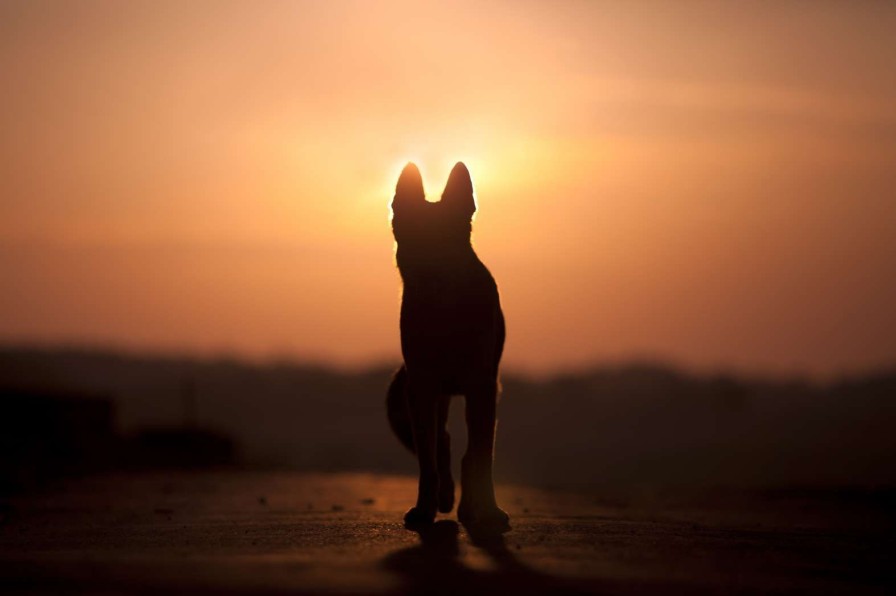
(280,532)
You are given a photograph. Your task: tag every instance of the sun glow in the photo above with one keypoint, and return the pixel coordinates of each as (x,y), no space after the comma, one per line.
(207,179)
(434,178)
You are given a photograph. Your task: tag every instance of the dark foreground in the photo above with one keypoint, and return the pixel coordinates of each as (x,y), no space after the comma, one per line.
(240,532)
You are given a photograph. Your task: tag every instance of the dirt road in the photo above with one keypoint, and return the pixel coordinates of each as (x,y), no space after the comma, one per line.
(254,532)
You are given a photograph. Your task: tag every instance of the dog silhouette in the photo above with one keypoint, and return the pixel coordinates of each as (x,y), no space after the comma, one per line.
(452,337)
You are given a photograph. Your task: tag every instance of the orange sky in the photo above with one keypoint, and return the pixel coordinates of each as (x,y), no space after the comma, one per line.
(710,183)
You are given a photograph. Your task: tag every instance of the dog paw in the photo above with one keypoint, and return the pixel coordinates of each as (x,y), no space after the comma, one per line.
(417,517)
(490,519)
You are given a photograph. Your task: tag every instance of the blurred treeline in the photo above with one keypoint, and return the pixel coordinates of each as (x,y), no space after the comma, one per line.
(611,428)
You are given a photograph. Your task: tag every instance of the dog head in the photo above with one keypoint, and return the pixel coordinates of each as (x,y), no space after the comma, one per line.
(432,232)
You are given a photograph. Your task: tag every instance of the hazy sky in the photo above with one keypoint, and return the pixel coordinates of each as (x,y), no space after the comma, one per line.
(710,183)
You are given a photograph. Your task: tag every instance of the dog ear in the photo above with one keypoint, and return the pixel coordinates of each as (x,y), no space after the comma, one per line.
(458,195)
(409,190)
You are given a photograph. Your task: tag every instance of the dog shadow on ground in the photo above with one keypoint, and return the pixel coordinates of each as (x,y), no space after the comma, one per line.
(435,567)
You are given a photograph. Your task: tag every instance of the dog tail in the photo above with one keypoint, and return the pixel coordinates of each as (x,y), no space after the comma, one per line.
(397,409)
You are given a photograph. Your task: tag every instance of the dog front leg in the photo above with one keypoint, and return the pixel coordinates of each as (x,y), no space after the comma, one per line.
(478,507)
(423,405)
(443,448)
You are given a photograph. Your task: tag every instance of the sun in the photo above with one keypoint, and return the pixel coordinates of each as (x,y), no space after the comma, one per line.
(434,172)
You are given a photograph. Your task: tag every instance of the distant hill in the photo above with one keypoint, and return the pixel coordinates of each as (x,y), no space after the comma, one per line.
(612,428)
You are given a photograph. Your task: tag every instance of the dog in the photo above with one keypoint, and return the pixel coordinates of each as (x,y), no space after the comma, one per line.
(452,338)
